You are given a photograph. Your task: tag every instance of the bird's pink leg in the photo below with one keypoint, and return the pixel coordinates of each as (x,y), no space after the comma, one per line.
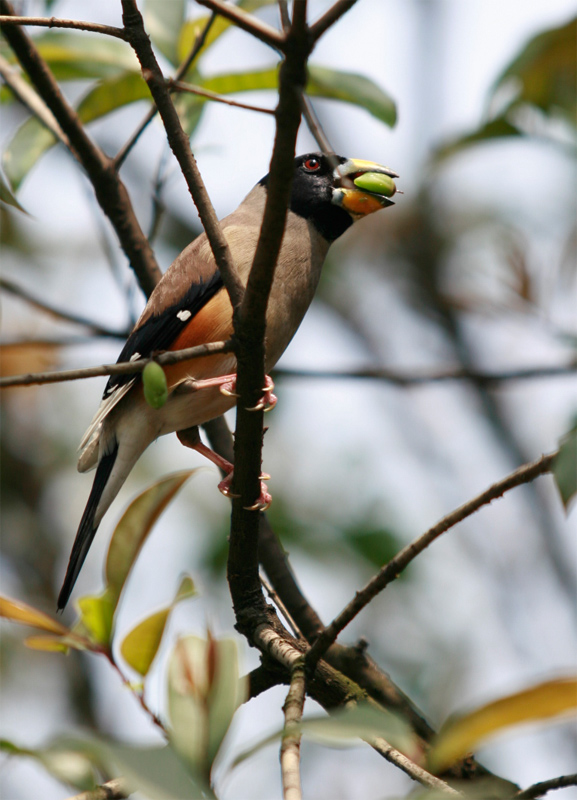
(227,385)
(190,437)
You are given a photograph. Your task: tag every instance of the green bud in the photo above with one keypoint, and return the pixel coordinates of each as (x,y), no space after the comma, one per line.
(154,385)
(377,183)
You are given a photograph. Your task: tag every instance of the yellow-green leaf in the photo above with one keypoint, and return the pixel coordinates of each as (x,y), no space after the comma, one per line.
(26,615)
(163,22)
(6,195)
(97,616)
(134,527)
(565,468)
(463,734)
(52,644)
(141,645)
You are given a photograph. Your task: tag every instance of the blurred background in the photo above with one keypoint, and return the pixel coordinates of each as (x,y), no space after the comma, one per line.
(473,268)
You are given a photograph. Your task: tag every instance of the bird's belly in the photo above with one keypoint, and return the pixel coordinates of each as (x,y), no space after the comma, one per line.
(185,409)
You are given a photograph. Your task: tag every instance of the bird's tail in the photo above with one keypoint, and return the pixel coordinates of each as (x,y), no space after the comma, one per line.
(87,527)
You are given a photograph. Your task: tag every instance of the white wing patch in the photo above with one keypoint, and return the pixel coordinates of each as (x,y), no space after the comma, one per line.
(184,315)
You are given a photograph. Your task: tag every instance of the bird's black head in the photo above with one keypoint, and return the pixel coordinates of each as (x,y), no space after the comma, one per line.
(323,191)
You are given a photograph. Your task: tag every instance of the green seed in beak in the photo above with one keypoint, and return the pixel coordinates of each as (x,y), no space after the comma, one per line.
(154,385)
(377,183)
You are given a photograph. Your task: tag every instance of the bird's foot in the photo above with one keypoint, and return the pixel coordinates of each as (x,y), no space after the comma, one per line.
(262,502)
(268,400)
(227,385)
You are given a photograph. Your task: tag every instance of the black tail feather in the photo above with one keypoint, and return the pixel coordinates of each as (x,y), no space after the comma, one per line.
(86,529)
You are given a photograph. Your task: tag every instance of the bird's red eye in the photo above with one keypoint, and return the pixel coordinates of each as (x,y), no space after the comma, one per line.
(312,165)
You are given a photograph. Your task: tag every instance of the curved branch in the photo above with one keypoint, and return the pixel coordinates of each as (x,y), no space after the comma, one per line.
(54,22)
(396,565)
(540,789)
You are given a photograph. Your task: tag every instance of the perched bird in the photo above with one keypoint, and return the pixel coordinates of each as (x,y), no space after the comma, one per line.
(190,306)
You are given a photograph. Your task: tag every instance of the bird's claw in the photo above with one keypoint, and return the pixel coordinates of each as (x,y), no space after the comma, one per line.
(268,400)
(227,389)
(262,502)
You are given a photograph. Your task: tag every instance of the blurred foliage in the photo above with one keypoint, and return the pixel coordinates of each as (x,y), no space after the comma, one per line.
(541,78)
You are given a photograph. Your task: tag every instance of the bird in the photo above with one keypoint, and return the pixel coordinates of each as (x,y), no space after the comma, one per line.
(190,306)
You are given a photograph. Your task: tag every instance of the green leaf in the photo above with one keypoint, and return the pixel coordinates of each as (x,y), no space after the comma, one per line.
(323,82)
(498,128)
(545,73)
(6,195)
(189,109)
(565,468)
(140,646)
(97,616)
(163,22)
(112,93)
(463,734)
(376,545)
(351,88)
(194,28)
(134,527)
(74,56)
(30,141)
(63,763)
(204,692)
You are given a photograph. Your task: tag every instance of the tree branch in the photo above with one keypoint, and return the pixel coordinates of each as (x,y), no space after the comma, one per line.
(391,570)
(124,368)
(540,789)
(179,86)
(110,191)
(54,22)
(291,738)
(247,22)
(111,790)
(330,17)
(180,146)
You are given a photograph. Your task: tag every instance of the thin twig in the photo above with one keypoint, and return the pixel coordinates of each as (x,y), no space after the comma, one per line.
(33,102)
(110,191)
(180,145)
(404,379)
(315,127)
(111,790)
(330,17)
(95,327)
(539,789)
(282,608)
(179,86)
(180,72)
(396,565)
(411,769)
(290,748)
(53,22)
(124,368)
(247,22)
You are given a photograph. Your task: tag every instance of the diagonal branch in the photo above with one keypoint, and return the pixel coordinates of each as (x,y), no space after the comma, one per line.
(330,17)
(247,22)
(54,22)
(180,146)
(291,737)
(541,788)
(396,565)
(110,191)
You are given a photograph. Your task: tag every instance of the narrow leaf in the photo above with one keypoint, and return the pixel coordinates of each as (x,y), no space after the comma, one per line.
(463,734)
(26,615)
(565,468)
(30,141)
(69,767)
(73,56)
(112,93)
(6,195)
(134,527)
(52,644)
(498,128)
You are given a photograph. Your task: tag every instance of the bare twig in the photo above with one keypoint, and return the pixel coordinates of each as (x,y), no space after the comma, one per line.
(540,789)
(95,327)
(124,368)
(111,790)
(282,608)
(180,72)
(414,378)
(291,739)
(53,22)
(330,17)
(247,22)
(33,102)
(110,191)
(180,145)
(315,126)
(391,570)
(411,769)
(179,86)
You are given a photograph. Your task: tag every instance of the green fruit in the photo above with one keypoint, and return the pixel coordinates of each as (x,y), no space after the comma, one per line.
(154,385)
(377,183)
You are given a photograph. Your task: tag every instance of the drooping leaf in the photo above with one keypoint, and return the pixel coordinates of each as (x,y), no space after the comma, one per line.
(69,767)
(97,616)
(27,615)
(194,28)
(498,128)
(134,527)
(323,82)
(163,22)
(565,468)
(112,93)
(204,692)
(30,141)
(463,734)
(73,56)
(6,195)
